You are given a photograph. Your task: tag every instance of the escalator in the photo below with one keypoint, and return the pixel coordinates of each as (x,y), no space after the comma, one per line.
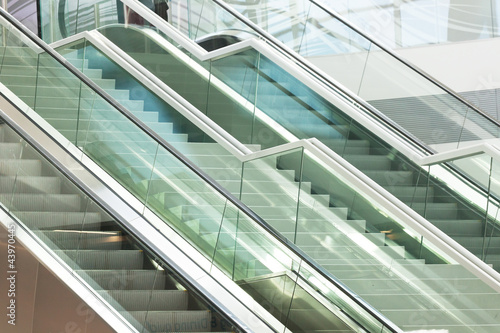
(306,113)
(418,276)
(234,246)
(119,268)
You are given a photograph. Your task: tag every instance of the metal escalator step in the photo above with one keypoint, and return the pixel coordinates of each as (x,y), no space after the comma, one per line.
(13,167)
(126,279)
(391,178)
(369,162)
(448,320)
(412,194)
(161,127)
(433,210)
(86,240)
(153,300)
(48,68)
(391,285)
(171,321)
(42,202)
(475,244)
(30,184)
(30,82)
(460,227)
(326,225)
(388,301)
(99,259)
(349,147)
(61,220)
(10,150)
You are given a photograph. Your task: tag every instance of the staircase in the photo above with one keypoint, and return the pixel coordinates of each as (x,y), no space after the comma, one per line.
(97,248)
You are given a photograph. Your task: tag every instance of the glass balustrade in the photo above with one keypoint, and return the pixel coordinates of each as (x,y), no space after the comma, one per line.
(234,242)
(292,204)
(122,271)
(259,103)
(307,202)
(351,139)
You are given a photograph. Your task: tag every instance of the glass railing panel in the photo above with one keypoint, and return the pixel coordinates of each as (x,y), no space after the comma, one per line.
(276,277)
(411,101)
(478,232)
(125,88)
(352,213)
(162,118)
(271,185)
(181,197)
(423,22)
(121,270)
(191,85)
(297,108)
(226,106)
(314,280)
(235,114)
(18,61)
(380,78)
(64,18)
(376,237)
(324,36)
(476,128)
(199,18)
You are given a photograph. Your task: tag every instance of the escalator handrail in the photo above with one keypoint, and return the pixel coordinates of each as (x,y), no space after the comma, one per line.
(163,143)
(388,50)
(326,78)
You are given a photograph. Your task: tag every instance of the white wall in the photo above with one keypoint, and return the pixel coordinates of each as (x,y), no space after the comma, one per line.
(462,66)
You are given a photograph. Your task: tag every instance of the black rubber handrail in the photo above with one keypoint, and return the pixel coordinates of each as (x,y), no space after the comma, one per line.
(231,198)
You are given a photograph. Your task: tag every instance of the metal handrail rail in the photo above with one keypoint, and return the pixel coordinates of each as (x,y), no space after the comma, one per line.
(201,174)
